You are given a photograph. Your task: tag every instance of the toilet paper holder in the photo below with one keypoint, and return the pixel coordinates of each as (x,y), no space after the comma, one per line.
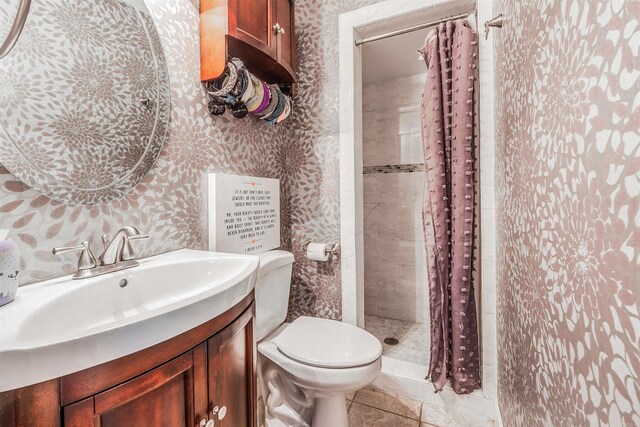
(332,249)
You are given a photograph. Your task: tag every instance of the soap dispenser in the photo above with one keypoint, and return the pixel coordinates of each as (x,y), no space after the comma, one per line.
(9,268)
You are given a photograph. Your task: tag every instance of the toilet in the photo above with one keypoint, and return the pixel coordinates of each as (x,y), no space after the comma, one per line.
(307,367)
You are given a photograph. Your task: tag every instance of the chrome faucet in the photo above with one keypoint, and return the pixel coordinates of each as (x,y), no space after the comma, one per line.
(119,249)
(118,254)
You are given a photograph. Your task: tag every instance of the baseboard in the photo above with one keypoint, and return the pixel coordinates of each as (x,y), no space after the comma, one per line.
(498,417)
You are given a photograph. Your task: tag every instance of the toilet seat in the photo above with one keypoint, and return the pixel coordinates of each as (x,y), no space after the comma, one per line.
(328,343)
(329,380)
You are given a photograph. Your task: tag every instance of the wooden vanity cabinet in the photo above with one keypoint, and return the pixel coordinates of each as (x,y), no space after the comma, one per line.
(259,32)
(164,396)
(206,373)
(232,375)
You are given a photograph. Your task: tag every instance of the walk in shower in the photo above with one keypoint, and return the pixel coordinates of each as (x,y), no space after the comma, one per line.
(385,284)
(395,283)
(397,218)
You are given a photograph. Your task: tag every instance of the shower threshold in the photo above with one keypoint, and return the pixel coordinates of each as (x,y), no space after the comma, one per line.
(405,367)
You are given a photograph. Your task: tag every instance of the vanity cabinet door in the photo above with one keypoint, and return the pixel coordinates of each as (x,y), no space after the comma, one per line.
(251,21)
(232,376)
(173,394)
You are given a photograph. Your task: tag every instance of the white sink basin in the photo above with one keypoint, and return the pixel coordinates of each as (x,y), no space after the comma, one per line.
(61,326)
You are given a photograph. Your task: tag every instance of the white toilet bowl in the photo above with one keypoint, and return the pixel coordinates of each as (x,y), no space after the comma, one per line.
(306,368)
(302,392)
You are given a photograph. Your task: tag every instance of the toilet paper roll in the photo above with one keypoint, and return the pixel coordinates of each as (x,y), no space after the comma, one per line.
(318,251)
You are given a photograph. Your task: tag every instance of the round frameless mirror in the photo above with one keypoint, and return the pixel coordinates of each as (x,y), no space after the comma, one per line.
(84,97)
(11,25)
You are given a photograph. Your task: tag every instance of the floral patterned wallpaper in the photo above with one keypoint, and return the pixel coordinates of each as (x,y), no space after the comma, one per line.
(313,162)
(170,203)
(568,150)
(76,79)
(568,193)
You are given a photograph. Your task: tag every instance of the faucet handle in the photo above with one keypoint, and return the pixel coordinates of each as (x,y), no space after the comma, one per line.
(127,250)
(86,261)
(105,240)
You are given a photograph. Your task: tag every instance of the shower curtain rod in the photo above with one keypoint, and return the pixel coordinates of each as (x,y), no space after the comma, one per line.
(410,29)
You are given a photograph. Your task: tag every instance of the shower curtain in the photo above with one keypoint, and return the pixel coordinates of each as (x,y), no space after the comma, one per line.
(449,137)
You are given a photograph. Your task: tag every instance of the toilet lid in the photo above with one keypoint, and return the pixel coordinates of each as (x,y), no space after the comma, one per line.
(328,343)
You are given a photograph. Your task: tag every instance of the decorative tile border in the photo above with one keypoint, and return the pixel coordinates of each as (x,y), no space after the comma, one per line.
(414,167)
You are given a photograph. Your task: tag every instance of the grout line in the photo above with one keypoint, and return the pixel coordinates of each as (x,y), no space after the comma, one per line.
(353,399)
(383,410)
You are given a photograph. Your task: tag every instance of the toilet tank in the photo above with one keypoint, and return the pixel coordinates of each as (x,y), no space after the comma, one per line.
(272,291)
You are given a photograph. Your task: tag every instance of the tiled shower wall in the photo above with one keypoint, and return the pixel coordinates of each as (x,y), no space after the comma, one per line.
(394,260)
(568,192)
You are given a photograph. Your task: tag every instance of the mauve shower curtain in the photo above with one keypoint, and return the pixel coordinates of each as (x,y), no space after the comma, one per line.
(449,137)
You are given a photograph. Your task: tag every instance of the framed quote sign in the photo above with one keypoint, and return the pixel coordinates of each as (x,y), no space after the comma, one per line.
(244,213)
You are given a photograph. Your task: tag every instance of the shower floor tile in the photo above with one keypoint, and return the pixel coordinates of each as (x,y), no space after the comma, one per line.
(413,338)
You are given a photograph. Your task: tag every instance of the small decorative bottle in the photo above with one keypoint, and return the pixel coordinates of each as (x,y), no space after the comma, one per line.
(9,270)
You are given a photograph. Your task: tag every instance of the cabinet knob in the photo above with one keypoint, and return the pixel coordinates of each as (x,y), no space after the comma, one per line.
(205,423)
(278,28)
(220,412)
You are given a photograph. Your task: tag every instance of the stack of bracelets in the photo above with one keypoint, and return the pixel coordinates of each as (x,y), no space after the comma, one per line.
(243,93)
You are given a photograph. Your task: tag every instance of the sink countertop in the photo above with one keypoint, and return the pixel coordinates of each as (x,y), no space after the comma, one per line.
(61,326)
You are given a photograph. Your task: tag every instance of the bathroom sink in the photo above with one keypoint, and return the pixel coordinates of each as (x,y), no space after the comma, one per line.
(61,326)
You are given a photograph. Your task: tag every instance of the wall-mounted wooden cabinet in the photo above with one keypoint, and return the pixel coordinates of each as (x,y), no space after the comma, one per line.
(205,374)
(259,32)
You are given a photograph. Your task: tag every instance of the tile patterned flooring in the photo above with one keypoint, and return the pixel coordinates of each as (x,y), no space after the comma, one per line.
(369,407)
(414,338)
(373,408)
